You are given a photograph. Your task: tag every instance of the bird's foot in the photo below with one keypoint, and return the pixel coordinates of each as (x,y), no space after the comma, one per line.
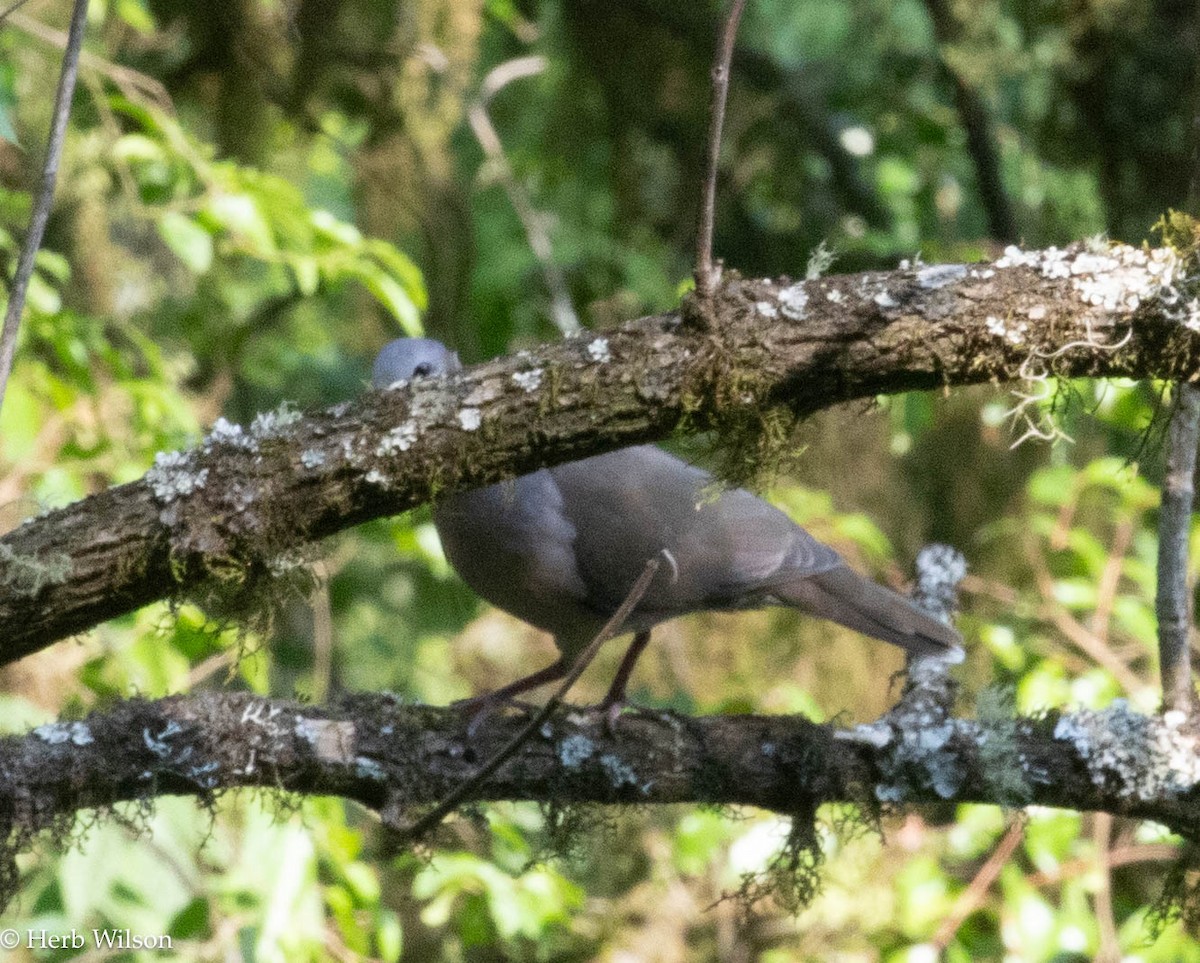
(478,709)
(609,711)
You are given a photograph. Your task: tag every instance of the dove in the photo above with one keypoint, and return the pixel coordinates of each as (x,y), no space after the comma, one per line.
(560,548)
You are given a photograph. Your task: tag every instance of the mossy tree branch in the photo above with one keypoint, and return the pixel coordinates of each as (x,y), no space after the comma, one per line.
(394,758)
(238,508)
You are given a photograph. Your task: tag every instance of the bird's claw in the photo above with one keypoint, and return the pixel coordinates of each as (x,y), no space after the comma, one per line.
(478,709)
(609,712)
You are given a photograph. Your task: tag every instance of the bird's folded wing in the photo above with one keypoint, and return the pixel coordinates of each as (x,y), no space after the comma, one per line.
(718,548)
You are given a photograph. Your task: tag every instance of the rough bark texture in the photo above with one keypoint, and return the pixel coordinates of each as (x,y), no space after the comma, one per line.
(391,757)
(239,507)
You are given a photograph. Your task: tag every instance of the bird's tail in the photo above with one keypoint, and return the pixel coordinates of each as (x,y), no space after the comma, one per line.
(843,596)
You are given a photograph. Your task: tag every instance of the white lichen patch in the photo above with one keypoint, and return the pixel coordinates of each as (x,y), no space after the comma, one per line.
(835,295)
(598,351)
(261,714)
(819,262)
(228,434)
(159,743)
(1037,312)
(1136,756)
(1190,317)
(920,755)
(173,476)
(400,438)
(620,773)
(885,300)
(469,419)
(331,739)
(312,458)
(283,563)
(271,424)
(766,309)
(575,750)
(939,275)
(528,381)
(376,477)
(793,302)
(1014,334)
(367,768)
(57,733)
(205,775)
(1116,278)
(240,496)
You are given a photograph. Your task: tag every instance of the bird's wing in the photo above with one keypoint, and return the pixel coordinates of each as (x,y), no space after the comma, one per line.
(513,544)
(718,547)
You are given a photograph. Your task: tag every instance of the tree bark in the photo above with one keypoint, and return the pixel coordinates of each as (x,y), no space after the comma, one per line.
(222,519)
(395,758)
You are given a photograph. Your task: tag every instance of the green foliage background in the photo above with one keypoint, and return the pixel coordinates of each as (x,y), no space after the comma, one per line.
(256,195)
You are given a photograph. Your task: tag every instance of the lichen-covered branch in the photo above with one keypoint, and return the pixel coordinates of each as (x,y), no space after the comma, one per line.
(244,505)
(395,759)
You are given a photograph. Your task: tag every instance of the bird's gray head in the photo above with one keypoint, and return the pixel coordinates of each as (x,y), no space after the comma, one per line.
(408,358)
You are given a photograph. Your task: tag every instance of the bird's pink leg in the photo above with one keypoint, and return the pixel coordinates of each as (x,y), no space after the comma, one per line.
(482,706)
(614,701)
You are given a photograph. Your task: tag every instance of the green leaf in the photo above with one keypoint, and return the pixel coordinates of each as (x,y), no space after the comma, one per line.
(389,936)
(401,267)
(190,242)
(391,295)
(307,273)
(135,14)
(240,215)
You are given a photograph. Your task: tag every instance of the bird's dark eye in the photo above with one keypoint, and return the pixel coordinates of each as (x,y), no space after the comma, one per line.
(423,370)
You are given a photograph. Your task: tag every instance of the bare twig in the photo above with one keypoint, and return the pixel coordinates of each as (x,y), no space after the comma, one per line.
(133,84)
(11,9)
(705,280)
(1109,950)
(981,141)
(322,611)
(532,220)
(45,195)
(1173,603)
(1115,858)
(971,898)
(1110,578)
(1096,647)
(582,661)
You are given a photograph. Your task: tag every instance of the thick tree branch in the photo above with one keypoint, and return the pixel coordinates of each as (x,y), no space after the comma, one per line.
(395,758)
(241,506)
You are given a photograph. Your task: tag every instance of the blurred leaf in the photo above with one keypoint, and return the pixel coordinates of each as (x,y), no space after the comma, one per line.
(191,243)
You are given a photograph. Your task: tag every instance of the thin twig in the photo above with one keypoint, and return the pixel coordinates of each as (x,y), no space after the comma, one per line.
(981,140)
(1109,950)
(1173,603)
(532,220)
(134,84)
(970,899)
(11,9)
(1110,579)
(439,812)
(705,280)
(1097,648)
(322,610)
(45,196)
(1116,857)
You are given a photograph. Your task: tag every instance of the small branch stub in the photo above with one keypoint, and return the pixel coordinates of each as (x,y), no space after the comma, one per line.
(707,274)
